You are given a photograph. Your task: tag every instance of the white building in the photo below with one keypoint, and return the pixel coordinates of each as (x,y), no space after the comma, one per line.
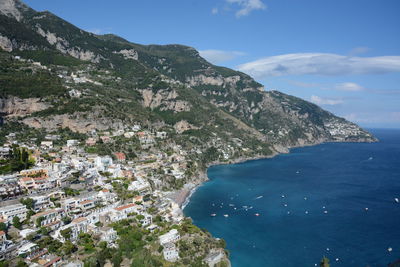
(46,144)
(77,226)
(41,202)
(140,185)
(102,163)
(108,234)
(170,252)
(48,218)
(214,257)
(9,212)
(72,143)
(147,220)
(171,236)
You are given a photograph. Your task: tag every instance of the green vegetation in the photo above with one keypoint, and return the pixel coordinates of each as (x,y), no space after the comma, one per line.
(19,159)
(23,80)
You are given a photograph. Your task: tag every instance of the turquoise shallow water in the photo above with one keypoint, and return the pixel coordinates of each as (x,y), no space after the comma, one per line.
(291,193)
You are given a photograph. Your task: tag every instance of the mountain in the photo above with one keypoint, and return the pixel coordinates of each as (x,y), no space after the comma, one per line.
(54,75)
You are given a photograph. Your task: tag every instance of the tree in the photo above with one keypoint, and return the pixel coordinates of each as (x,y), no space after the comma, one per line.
(21,263)
(68,248)
(16,222)
(324,262)
(28,202)
(116,259)
(66,233)
(39,221)
(3,227)
(44,231)
(66,220)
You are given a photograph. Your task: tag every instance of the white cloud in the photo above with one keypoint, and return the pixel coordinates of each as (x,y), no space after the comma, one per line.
(320,64)
(390,117)
(219,56)
(99,31)
(325,101)
(349,86)
(214,11)
(247,6)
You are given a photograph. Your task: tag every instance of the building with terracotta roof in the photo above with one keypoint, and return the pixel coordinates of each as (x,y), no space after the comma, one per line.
(120,156)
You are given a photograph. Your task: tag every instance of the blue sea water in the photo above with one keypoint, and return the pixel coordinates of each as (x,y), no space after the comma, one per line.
(291,193)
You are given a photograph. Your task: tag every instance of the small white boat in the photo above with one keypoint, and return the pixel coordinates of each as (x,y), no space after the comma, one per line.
(285,205)
(259,197)
(213,214)
(306,212)
(226,215)
(257,214)
(283,196)
(396,200)
(325,211)
(366,209)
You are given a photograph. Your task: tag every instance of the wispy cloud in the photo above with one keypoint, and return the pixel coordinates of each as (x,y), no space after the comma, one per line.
(219,56)
(247,6)
(320,64)
(99,30)
(359,50)
(326,101)
(349,86)
(214,11)
(390,117)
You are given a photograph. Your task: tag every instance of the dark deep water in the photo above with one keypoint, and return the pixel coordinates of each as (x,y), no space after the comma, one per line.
(291,193)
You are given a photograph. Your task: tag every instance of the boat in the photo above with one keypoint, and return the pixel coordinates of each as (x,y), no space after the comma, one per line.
(396,199)
(259,197)
(213,214)
(257,214)
(226,215)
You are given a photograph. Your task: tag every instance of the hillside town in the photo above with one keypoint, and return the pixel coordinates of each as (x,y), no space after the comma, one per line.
(67,205)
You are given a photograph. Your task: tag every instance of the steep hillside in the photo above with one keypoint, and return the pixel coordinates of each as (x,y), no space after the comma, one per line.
(85,82)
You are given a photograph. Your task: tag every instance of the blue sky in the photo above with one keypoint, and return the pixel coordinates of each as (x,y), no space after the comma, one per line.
(343,55)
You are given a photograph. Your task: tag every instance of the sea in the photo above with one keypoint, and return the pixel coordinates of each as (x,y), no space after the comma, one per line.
(337,200)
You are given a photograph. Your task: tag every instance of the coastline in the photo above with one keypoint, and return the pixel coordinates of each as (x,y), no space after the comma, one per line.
(187,193)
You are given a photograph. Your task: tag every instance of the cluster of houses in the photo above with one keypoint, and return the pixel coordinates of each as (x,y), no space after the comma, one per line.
(66,215)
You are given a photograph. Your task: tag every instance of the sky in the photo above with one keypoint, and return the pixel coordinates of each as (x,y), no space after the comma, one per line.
(343,55)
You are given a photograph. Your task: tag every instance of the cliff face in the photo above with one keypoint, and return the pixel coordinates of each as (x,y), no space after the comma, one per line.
(17,107)
(56,75)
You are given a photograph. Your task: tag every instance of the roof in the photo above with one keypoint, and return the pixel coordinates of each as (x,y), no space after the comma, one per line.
(26,179)
(2,233)
(44,213)
(125,207)
(85,202)
(80,219)
(50,263)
